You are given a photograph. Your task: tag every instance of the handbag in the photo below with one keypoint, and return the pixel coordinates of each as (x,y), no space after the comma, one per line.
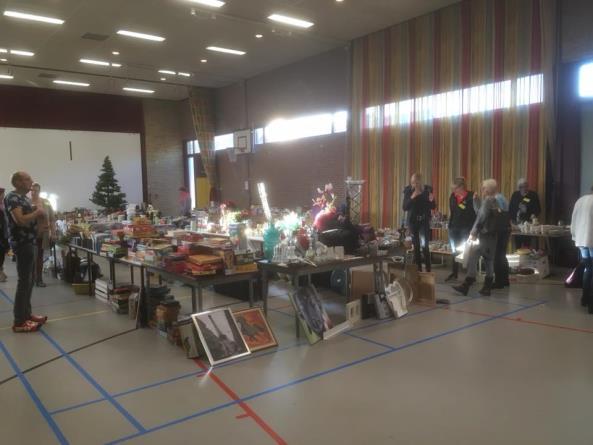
(469,249)
(396,297)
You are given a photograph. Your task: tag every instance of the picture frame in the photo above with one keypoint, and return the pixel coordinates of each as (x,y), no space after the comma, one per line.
(220,336)
(310,312)
(255,329)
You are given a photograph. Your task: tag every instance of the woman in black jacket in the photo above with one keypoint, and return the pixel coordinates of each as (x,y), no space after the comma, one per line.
(419,203)
(463,216)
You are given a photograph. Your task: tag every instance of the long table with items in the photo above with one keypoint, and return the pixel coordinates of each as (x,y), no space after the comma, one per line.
(296,271)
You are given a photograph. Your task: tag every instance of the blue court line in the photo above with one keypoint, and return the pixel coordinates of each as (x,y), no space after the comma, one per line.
(174,379)
(93,382)
(273,389)
(87,376)
(51,422)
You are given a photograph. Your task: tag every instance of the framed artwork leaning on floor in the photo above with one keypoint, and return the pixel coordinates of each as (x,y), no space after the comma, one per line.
(255,329)
(220,336)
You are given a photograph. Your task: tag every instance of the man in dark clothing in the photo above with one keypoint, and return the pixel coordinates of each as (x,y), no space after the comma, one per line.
(501,264)
(419,203)
(463,216)
(524,206)
(3,237)
(22,219)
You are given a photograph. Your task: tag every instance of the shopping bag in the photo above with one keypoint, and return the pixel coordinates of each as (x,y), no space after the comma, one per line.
(469,249)
(396,297)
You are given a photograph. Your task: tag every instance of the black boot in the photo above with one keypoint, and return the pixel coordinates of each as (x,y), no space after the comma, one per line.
(485,291)
(463,288)
(587,279)
(453,276)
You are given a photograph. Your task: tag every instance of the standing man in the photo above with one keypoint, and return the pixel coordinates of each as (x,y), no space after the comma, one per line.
(501,263)
(523,208)
(4,246)
(46,232)
(582,234)
(23,233)
(463,216)
(419,203)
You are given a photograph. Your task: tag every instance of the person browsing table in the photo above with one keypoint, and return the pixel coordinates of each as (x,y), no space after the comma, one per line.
(463,216)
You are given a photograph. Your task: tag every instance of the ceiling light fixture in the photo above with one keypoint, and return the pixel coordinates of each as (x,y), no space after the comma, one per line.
(138,90)
(18,52)
(75,84)
(3,50)
(204,60)
(259,36)
(115,53)
(163,78)
(36,18)
(218,49)
(6,76)
(3,60)
(184,74)
(94,62)
(213,3)
(116,65)
(139,35)
(167,72)
(290,21)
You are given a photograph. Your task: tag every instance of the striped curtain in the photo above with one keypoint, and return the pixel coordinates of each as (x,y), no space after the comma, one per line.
(459,92)
(201,102)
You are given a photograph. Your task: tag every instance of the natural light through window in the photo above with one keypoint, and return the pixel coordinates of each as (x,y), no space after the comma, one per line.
(223,142)
(479,99)
(281,130)
(586,80)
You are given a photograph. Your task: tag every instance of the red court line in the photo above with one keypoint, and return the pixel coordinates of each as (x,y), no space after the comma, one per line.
(242,416)
(521,320)
(248,411)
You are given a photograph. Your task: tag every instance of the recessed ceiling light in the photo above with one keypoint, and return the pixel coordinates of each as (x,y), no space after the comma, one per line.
(339,1)
(167,72)
(214,3)
(139,35)
(163,78)
(18,52)
(6,76)
(138,90)
(95,62)
(290,21)
(3,60)
(115,53)
(218,49)
(259,36)
(36,18)
(75,84)
(204,60)
(116,65)
(3,50)
(184,74)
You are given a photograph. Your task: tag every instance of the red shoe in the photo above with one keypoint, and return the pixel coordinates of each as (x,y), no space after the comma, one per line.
(38,319)
(27,326)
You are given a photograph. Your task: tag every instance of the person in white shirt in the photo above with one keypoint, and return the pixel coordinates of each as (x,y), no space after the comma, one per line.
(582,233)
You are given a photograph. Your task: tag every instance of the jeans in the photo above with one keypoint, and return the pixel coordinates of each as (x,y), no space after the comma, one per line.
(421,238)
(501,264)
(486,250)
(457,238)
(25,261)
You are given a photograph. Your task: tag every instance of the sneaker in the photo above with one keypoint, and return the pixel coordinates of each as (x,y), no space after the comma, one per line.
(39,319)
(27,326)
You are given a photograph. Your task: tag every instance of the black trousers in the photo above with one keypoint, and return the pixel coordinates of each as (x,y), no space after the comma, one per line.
(25,262)
(3,251)
(501,264)
(421,239)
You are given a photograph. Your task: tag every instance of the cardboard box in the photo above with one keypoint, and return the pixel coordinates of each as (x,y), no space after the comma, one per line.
(362,282)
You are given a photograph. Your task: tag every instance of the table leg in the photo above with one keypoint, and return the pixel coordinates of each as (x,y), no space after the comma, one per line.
(89,260)
(193,300)
(143,299)
(147,308)
(132,274)
(264,290)
(55,262)
(250,293)
(295,284)
(200,300)
(112,272)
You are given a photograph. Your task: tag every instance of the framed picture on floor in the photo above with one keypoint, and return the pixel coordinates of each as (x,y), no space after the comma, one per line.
(220,336)
(255,329)
(310,312)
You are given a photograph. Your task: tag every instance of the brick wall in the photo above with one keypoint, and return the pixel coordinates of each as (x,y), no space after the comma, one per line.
(164,137)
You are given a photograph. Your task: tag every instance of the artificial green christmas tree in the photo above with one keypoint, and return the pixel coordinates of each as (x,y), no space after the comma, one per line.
(108,193)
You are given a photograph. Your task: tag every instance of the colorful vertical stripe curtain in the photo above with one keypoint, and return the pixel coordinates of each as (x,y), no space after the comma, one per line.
(462,91)
(202,109)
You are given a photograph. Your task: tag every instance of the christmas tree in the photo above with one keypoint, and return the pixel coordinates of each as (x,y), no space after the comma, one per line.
(107,191)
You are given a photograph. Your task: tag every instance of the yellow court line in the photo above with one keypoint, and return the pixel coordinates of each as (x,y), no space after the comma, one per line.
(71,317)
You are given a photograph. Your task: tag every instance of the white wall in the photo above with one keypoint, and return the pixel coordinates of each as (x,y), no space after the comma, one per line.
(45,154)
(586,147)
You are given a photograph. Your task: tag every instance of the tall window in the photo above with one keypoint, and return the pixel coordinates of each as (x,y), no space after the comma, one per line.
(586,80)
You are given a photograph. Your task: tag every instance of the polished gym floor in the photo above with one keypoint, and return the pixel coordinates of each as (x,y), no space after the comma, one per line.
(514,368)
